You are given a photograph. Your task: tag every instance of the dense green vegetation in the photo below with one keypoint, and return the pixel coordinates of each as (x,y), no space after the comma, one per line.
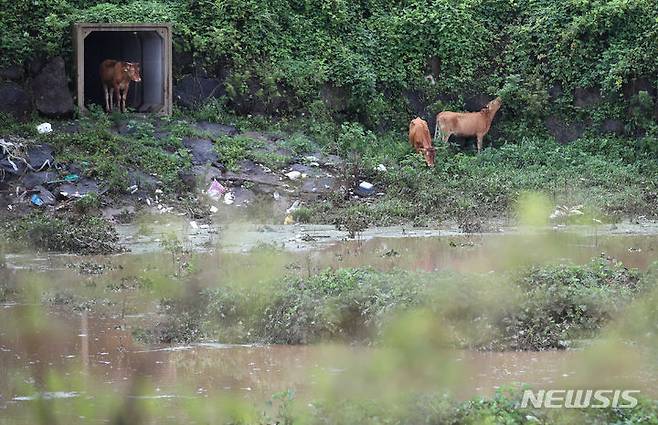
(345,77)
(368,59)
(83,234)
(538,308)
(502,408)
(613,178)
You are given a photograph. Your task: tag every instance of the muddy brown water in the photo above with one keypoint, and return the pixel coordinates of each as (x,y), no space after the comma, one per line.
(100,349)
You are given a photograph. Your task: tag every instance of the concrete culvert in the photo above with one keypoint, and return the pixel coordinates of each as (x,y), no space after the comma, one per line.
(148,45)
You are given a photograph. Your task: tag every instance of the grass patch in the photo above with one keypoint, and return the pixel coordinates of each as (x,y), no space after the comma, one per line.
(539,308)
(612,178)
(70,234)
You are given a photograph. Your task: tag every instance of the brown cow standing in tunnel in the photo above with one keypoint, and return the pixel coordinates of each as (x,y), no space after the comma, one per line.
(116,77)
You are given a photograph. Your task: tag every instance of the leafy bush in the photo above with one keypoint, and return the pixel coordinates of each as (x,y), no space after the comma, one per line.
(283,54)
(541,308)
(78,235)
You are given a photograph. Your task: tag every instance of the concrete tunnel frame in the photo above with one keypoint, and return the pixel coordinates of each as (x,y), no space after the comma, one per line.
(148,44)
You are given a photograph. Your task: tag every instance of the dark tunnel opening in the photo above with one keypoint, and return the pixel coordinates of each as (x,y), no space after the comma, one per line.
(145,47)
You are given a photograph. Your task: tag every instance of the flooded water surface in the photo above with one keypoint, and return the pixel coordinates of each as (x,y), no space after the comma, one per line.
(52,336)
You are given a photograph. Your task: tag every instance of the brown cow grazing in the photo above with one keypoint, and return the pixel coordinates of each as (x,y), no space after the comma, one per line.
(421,140)
(116,77)
(467,123)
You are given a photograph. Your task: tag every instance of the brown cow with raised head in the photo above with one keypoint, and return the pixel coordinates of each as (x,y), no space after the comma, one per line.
(421,140)
(467,123)
(116,77)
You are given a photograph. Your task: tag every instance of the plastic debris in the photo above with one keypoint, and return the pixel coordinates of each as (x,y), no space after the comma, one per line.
(44,128)
(229,198)
(293,175)
(382,168)
(17,154)
(365,189)
(289,220)
(36,200)
(213,209)
(276,196)
(72,178)
(216,190)
(194,225)
(132,189)
(565,211)
(294,207)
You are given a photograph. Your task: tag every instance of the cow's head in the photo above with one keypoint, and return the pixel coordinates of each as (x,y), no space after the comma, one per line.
(495,104)
(132,69)
(429,154)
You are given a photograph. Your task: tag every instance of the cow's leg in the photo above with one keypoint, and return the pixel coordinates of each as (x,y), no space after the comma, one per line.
(436,129)
(125,95)
(445,136)
(480,138)
(107,98)
(117,94)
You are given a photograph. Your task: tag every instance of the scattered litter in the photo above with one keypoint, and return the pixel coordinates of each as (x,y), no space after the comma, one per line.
(36,200)
(158,191)
(311,158)
(229,198)
(44,128)
(132,189)
(213,209)
(294,207)
(365,189)
(294,175)
(565,211)
(382,168)
(43,197)
(19,154)
(289,220)
(194,225)
(276,196)
(216,190)
(72,178)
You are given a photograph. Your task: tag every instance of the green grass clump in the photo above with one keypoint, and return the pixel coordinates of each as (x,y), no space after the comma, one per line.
(547,307)
(71,234)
